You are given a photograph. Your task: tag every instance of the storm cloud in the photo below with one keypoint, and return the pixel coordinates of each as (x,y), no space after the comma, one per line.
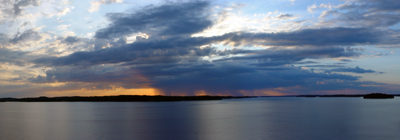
(353,70)
(26,35)
(189,48)
(164,20)
(15,8)
(173,61)
(364,13)
(309,37)
(24,3)
(12,57)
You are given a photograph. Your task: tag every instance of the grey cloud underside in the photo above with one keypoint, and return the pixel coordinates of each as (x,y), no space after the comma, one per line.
(106,76)
(28,2)
(169,20)
(234,77)
(188,78)
(17,6)
(325,66)
(353,70)
(176,63)
(366,13)
(178,70)
(284,16)
(12,57)
(377,5)
(310,37)
(71,40)
(161,50)
(271,57)
(26,35)
(175,48)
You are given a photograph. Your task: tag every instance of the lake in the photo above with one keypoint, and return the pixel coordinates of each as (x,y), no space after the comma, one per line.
(269,118)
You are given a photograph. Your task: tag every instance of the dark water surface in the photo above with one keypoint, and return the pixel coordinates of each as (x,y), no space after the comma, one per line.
(274,118)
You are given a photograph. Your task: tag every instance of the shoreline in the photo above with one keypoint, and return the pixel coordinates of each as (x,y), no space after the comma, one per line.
(120,98)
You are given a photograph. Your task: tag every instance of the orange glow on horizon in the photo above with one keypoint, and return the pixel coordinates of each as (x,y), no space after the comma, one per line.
(154,91)
(200,93)
(117,91)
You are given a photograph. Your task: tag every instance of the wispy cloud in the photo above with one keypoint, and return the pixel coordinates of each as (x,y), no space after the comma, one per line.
(94,5)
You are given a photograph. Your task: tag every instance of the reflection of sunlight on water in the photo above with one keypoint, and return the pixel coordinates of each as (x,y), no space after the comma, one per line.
(273,118)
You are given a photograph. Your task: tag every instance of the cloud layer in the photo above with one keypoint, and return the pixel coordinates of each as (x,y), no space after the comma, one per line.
(155,47)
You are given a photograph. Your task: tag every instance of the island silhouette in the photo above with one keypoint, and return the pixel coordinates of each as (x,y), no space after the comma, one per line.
(365,96)
(378,96)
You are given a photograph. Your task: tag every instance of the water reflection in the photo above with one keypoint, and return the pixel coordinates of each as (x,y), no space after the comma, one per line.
(236,119)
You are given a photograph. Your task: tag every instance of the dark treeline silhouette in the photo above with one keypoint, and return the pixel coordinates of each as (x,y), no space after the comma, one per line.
(335,95)
(365,96)
(119,98)
(378,96)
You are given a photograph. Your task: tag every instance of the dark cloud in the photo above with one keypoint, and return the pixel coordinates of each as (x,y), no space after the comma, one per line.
(164,20)
(284,16)
(177,49)
(97,74)
(216,78)
(12,57)
(13,10)
(309,37)
(276,57)
(26,35)
(307,62)
(178,63)
(155,51)
(24,3)
(325,66)
(24,24)
(376,5)
(346,60)
(3,38)
(71,40)
(365,13)
(353,70)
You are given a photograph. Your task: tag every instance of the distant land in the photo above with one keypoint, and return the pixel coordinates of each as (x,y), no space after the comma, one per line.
(161,98)
(365,96)
(334,95)
(378,96)
(119,98)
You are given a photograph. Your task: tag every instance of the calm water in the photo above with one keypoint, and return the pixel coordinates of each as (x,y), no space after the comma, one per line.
(277,118)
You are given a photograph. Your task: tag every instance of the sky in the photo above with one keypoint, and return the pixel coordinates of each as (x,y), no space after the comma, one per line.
(198,47)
